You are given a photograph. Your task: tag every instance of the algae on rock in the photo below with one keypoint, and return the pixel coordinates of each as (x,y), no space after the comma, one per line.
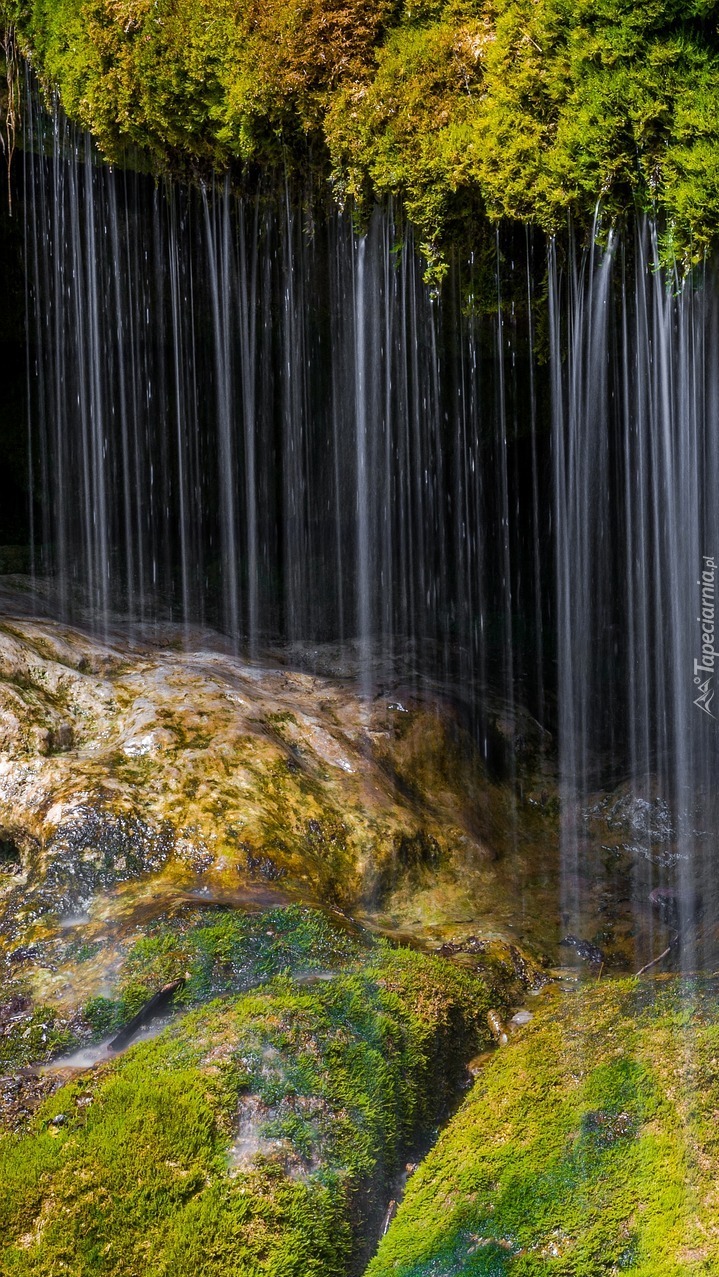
(586,1148)
(134,781)
(170,814)
(248,1134)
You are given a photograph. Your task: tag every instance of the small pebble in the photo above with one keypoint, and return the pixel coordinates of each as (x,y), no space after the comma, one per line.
(497,1027)
(479,1062)
(521,1017)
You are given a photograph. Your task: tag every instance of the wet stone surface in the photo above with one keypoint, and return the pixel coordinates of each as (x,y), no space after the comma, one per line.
(200,772)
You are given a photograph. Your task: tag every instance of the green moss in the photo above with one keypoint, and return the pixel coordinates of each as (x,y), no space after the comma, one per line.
(539,110)
(240,1138)
(529,110)
(228,953)
(586,1148)
(209,81)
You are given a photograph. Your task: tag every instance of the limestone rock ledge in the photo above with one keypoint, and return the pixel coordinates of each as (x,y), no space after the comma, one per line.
(130,778)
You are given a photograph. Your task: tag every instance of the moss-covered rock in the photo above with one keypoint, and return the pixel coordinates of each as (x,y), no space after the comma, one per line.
(587,1147)
(222,954)
(246,1136)
(225,952)
(30,1034)
(520,109)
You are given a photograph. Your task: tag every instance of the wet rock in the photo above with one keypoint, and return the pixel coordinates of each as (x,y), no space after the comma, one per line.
(515,740)
(21,1094)
(608,1127)
(415,858)
(520,1020)
(41,740)
(474,945)
(497,1027)
(391,817)
(63,736)
(478,1063)
(448,949)
(259,866)
(13,1009)
(584,949)
(675,907)
(10,856)
(94,848)
(666,902)
(471,945)
(526,970)
(509,971)
(639,826)
(24,953)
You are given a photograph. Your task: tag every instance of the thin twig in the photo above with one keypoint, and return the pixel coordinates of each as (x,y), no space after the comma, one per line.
(654,961)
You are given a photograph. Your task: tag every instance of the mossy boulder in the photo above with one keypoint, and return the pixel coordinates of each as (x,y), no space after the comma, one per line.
(224,953)
(97,986)
(247,1136)
(587,1147)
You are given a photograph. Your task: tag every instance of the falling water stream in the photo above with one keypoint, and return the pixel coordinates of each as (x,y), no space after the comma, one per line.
(250,415)
(635,412)
(246,414)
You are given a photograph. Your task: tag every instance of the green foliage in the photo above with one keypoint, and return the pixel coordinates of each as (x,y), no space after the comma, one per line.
(103,1015)
(541,109)
(531,110)
(237,1140)
(586,1148)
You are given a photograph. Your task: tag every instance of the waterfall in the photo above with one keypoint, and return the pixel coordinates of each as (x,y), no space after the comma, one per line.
(636,448)
(248,415)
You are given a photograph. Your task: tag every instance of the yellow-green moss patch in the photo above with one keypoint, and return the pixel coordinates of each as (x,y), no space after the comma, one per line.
(519,109)
(587,1148)
(245,1138)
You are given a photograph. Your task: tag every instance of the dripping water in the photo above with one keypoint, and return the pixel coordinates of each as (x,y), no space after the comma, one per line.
(251,416)
(637,527)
